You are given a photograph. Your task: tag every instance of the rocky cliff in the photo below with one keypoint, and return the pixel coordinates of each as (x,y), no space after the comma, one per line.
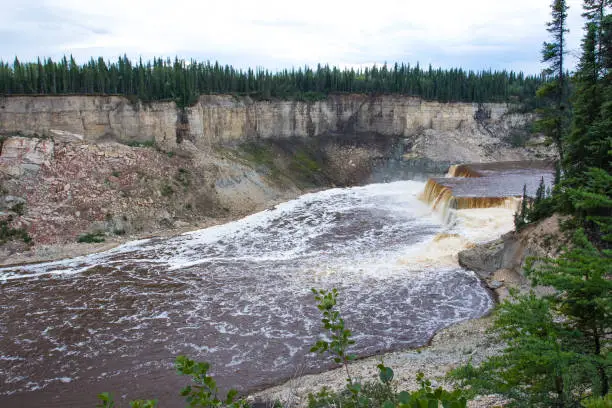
(78,163)
(218,119)
(502,262)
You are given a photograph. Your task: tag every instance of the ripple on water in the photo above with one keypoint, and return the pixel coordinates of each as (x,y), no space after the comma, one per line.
(237,295)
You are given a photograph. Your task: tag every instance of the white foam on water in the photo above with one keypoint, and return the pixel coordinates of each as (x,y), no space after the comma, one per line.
(484,224)
(242,290)
(285,232)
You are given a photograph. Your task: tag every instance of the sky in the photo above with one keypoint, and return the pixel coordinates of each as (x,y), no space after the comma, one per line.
(278,34)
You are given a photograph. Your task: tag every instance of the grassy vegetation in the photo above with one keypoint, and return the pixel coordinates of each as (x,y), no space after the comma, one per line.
(259,153)
(166,190)
(92,237)
(8,233)
(146,143)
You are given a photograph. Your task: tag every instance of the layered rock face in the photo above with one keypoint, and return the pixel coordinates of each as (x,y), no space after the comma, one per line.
(218,119)
(20,155)
(224,156)
(94,117)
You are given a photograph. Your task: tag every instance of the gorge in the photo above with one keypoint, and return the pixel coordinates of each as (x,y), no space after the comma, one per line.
(237,294)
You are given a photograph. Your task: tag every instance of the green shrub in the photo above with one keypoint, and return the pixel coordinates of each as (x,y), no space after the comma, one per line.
(92,237)
(166,190)
(601,402)
(381,394)
(8,233)
(18,209)
(146,143)
(183,177)
(205,392)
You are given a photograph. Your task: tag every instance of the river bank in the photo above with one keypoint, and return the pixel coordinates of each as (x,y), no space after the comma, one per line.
(449,348)
(498,264)
(40,253)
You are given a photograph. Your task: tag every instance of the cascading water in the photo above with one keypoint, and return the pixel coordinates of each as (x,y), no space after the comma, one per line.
(238,295)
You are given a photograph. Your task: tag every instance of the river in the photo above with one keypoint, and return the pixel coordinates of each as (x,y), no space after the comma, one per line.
(238,296)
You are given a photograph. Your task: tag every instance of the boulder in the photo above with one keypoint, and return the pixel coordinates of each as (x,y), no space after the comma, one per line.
(22,155)
(483,259)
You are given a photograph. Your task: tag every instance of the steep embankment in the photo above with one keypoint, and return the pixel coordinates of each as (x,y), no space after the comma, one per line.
(81,164)
(503,260)
(455,132)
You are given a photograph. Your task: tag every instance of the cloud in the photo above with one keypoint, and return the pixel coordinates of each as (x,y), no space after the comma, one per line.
(474,34)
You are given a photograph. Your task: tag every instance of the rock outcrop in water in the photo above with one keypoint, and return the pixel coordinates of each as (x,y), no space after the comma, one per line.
(505,258)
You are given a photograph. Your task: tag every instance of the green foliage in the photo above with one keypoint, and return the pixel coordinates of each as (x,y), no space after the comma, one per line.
(8,233)
(558,346)
(146,143)
(583,278)
(303,163)
(521,217)
(371,394)
(599,402)
(339,334)
(183,176)
(380,395)
(204,392)
(143,404)
(543,205)
(92,237)
(18,209)
(166,190)
(427,396)
(107,401)
(259,153)
(184,81)
(535,369)
(586,187)
(554,116)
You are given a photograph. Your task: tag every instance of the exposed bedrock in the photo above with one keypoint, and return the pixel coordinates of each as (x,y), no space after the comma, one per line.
(440,132)
(73,158)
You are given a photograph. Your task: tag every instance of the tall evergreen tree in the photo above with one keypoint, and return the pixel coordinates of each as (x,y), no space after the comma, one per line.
(554,120)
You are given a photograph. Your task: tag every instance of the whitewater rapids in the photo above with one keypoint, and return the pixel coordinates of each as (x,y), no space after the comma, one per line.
(238,295)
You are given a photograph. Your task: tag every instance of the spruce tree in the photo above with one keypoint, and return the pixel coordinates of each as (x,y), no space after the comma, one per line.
(553,122)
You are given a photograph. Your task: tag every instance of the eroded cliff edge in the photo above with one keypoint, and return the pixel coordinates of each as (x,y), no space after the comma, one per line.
(76,164)
(432,127)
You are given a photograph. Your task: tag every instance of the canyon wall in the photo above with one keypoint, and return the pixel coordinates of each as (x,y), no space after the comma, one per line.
(222,158)
(221,118)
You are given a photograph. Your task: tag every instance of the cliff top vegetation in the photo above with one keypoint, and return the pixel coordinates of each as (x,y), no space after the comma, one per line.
(184,81)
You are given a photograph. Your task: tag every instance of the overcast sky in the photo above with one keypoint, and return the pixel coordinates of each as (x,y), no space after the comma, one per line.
(275,34)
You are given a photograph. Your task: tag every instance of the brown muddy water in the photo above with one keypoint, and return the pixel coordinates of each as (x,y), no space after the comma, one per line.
(235,295)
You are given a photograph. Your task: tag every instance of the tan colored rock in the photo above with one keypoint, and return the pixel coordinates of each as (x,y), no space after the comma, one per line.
(20,155)
(441,131)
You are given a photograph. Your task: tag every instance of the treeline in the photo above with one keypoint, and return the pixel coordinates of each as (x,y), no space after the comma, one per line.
(558,346)
(184,81)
